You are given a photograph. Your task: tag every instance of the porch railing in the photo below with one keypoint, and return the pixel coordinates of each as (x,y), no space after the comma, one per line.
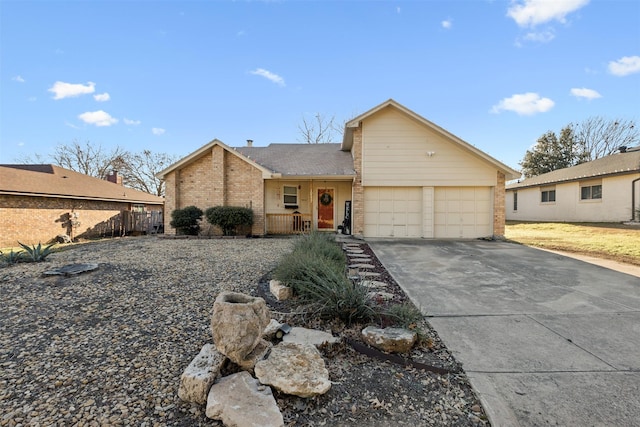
(288,223)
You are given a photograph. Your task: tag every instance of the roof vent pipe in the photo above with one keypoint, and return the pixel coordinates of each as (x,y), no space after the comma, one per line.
(622,149)
(249,142)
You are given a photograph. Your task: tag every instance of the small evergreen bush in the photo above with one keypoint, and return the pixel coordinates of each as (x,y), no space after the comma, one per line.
(186,220)
(229,218)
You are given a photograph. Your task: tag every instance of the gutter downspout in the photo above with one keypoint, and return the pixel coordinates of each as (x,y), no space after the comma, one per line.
(633,199)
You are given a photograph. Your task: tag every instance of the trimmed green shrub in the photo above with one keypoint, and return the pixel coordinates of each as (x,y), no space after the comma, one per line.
(229,218)
(37,253)
(186,220)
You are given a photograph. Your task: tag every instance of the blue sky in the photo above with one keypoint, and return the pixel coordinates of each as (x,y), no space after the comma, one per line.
(171,76)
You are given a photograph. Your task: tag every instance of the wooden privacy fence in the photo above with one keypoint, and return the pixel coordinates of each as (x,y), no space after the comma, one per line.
(288,223)
(128,222)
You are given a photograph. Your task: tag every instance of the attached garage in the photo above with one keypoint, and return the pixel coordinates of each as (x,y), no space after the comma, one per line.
(427,212)
(463,212)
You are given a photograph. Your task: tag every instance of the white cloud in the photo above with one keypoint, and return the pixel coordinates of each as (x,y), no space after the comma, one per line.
(18,79)
(101,97)
(131,122)
(157,131)
(529,13)
(625,66)
(585,93)
(524,104)
(447,23)
(70,90)
(269,76)
(98,118)
(541,37)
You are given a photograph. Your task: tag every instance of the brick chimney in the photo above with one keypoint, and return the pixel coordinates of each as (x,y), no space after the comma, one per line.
(114,177)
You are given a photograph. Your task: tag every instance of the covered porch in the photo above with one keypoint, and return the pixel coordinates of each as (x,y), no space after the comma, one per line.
(294,206)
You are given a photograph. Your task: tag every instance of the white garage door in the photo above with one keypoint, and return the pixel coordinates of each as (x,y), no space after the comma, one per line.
(463,212)
(393,212)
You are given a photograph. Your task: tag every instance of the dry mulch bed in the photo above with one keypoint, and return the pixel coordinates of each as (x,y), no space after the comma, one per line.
(108,347)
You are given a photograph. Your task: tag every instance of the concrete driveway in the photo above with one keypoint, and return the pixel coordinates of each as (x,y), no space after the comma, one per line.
(545,339)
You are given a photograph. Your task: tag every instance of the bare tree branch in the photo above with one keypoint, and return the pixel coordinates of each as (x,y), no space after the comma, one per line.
(319,130)
(602,137)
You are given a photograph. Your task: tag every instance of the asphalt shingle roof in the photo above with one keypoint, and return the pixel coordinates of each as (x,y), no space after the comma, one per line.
(614,164)
(302,159)
(54,181)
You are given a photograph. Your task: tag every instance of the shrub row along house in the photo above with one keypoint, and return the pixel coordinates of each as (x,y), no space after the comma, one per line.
(603,190)
(38,203)
(395,174)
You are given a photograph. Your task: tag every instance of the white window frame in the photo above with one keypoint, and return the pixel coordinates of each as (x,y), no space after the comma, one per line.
(550,191)
(285,195)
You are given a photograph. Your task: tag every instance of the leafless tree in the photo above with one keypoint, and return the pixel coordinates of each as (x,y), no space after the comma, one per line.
(139,170)
(319,130)
(89,159)
(602,137)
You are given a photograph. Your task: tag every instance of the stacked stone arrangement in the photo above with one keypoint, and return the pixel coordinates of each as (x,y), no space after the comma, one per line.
(240,326)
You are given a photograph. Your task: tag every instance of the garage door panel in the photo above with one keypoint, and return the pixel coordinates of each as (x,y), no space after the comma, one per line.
(393,211)
(463,212)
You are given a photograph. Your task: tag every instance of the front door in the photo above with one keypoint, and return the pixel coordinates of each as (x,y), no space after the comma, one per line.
(325,209)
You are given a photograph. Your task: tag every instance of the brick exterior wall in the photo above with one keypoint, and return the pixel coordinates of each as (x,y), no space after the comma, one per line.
(219,178)
(33,220)
(499,207)
(358,190)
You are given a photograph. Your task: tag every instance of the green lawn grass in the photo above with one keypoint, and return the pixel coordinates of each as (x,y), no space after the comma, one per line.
(604,240)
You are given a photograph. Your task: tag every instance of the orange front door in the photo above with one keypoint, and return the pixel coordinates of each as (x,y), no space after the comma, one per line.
(325,209)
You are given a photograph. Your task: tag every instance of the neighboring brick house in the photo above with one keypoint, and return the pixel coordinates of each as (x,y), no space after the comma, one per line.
(603,190)
(395,174)
(40,202)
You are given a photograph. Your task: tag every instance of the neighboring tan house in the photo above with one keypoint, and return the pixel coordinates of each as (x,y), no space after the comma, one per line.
(395,174)
(603,190)
(40,202)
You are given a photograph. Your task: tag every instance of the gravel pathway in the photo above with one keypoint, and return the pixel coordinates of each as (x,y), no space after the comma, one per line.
(108,347)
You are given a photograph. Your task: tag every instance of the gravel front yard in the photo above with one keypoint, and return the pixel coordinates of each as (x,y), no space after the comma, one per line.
(108,347)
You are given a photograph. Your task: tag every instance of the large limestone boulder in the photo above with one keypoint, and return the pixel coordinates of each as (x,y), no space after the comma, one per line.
(237,324)
(391,340)
(296,369)
(197,379)
(239,400)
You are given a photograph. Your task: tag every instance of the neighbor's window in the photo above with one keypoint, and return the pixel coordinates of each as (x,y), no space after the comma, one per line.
(290,194)
(589,192)
(515,200)
(548,195)
(137,208)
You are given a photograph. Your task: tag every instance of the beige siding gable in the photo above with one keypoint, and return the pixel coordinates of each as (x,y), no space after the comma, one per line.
(399,151)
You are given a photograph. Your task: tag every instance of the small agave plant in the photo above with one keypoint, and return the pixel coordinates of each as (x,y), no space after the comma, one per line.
(11,257)
(37,253)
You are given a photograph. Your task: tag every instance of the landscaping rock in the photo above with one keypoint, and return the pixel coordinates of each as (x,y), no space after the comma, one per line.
(280,291)
(271,329)
(296,369)
(201,373)
(258,353)
(240,400)
(391,340)
(309,336)
(237,324)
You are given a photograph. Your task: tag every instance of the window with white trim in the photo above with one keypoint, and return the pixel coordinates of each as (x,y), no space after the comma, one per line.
(548,195)
(290,196)
(591,192)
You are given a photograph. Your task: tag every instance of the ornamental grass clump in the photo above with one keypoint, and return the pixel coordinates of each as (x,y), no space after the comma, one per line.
(315,269)
(11,257)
